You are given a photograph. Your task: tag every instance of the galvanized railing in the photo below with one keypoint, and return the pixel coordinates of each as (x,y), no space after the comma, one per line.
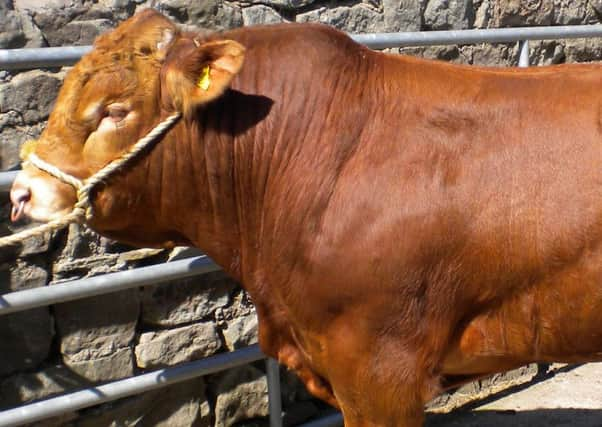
(23,300)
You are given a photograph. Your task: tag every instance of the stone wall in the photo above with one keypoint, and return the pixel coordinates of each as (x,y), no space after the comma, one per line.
(67,346)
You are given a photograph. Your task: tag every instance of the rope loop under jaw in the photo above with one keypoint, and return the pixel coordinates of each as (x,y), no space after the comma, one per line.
(82,210)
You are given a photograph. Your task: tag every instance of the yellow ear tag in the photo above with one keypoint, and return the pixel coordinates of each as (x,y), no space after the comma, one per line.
(205,80)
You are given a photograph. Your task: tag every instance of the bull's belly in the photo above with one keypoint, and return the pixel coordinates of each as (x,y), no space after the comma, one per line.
(557,320)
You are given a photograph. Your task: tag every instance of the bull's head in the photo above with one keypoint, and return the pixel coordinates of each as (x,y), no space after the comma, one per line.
(135,76)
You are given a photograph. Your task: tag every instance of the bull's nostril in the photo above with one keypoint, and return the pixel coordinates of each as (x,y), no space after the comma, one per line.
(19,197)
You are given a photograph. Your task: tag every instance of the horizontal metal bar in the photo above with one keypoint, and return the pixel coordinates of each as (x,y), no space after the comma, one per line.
(44,57)
(334,420)
(492,35)
(112,282)
(128,387)
(6,180)
(12,59)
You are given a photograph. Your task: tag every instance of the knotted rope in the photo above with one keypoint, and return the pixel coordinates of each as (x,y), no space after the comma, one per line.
(82,210)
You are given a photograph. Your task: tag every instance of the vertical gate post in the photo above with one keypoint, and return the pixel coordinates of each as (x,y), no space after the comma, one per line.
(523,57)
(274,395)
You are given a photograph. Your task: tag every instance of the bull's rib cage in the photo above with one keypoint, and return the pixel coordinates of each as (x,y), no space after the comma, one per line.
(113,282)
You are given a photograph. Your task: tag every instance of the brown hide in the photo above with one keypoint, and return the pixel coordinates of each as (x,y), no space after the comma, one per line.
(399,223)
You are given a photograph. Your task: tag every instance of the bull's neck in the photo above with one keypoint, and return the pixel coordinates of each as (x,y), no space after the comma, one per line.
(253,170)
(197,195)
(224,171)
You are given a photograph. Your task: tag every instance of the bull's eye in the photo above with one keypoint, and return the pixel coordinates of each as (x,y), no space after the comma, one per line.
(116,113)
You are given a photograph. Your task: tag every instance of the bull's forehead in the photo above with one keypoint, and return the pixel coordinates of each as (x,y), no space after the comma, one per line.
(111,81)
(124,63)
(99,79)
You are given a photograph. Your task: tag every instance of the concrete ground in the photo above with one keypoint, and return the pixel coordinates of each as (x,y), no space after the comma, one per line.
(569,396)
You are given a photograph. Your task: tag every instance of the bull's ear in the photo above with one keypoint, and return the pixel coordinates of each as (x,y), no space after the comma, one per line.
(201,74)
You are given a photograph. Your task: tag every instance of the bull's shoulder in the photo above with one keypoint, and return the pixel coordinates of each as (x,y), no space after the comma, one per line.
(298,38)
(283,30)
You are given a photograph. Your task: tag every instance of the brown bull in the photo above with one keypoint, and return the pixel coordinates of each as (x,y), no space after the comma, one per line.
(401,225)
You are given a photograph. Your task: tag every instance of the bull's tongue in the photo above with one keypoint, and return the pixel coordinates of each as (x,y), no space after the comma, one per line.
(16,212)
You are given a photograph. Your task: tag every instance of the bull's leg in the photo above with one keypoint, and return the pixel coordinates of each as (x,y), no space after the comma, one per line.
(384,401)
(378,380)
(409,417)
(276,340)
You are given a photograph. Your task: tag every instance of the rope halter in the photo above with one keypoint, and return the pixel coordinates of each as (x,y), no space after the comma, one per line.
(82,210)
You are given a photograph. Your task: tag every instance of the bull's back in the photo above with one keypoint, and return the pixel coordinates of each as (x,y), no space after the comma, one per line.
(506,162)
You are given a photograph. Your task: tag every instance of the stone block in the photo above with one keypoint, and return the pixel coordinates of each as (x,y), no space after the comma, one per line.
(97,325)
(25,340)
(80,33)
(119,10)
(29,248)
(260,14)
(181,405)
(582,50)
(241,332)
(25,337)
(53,19)
(27,387)
(357,19)
(115,365)
(596,5)
(499,55)
(403,15)
(209,14)
(446,53)
(87,254)
(449,14)
(11,140)
(64,30)
(546,53)
(36,5)
(9,119)
(33,35)
(173,346)
(185,301)
(517,13)
(12,34)
(96,333)
(286,4)
(483,15)
(82,242)
(242,394)
(118,4)
(574,12)
(229,16)
(20,274)
(31,94)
